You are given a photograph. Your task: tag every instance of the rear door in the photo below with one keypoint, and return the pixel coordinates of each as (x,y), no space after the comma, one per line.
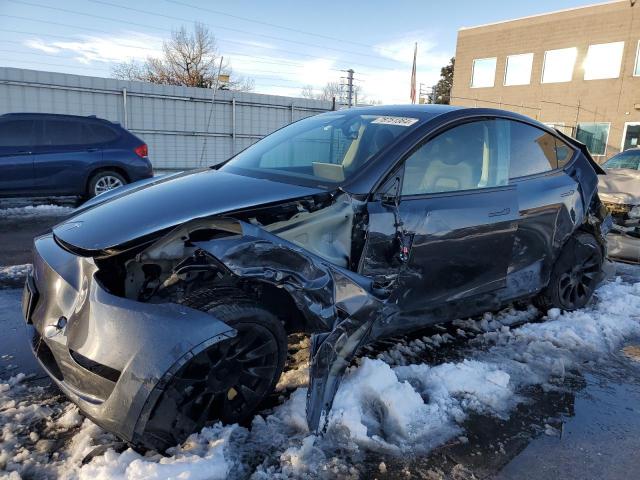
(16,158)
(64,156)
(549,200)
(456,221)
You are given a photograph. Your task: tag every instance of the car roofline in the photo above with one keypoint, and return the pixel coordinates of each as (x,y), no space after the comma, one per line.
(56,115)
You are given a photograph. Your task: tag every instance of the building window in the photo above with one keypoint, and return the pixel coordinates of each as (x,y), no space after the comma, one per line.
(558,65)
(603,61)
(594,136)
(483,73)
(636,72)
(560,126)
(518,69)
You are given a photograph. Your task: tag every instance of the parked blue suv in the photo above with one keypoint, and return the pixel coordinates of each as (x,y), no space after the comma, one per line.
(48,154)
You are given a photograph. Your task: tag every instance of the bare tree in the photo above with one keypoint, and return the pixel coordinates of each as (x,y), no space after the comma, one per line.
(331,90)
(188,58)
(307,92)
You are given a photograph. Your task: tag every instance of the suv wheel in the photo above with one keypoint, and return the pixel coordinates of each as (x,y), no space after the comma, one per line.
(575,275)
(104,181)
(225,382)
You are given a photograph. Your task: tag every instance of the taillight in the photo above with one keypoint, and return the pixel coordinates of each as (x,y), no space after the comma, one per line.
(142,151)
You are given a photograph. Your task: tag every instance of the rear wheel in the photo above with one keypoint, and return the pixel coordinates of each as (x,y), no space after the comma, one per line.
(575,275)
(104,181)
(225,382)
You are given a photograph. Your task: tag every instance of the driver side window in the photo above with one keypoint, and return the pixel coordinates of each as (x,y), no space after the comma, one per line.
(466,157)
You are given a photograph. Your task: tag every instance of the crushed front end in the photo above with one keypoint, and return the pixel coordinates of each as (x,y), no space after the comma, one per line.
(620,194)
(111,328)
(107,353)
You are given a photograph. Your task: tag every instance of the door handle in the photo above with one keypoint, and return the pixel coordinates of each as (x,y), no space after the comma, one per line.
(24,152)
(499,213)
(568,193)
(92,149)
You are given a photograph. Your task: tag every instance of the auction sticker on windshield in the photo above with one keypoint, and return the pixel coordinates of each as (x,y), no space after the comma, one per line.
(400,121)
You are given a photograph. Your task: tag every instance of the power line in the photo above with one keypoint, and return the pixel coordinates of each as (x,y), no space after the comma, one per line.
(231,29)
(154,27)
(135,46)
(84,68)
(48,55)
(253,72)
(274,25)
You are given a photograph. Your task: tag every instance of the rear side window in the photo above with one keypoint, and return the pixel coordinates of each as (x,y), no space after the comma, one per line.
(62,132)
(95,133)
(481,154)
(532,150)
(16,133)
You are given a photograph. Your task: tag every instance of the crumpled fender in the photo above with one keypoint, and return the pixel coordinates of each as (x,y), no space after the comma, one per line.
(342,306)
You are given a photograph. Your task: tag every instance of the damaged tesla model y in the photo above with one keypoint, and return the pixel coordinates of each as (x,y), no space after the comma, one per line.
(162,307)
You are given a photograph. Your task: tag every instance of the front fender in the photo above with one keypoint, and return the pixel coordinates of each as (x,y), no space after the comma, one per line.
(341,305)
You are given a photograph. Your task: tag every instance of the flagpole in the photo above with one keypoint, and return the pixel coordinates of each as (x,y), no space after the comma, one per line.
(413,74)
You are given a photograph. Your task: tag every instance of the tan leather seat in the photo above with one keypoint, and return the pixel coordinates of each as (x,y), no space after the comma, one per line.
(443,177)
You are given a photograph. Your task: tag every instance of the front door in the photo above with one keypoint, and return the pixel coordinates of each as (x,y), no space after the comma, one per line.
(449,236)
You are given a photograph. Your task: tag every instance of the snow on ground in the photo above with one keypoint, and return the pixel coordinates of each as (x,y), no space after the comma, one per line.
(36,211)
(392,404)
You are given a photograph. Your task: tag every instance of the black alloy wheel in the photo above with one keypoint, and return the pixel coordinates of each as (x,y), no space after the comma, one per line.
(577,285)
(575,275)
(226,382)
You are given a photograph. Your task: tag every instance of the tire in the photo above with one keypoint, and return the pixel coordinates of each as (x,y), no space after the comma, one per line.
(227,381)
(104,181)
(575,275)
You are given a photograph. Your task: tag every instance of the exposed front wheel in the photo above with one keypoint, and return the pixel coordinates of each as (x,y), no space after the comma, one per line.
(225,382)
(575,275)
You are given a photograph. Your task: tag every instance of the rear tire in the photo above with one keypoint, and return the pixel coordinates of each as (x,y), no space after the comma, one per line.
(104,181)
(227,381)
(575,275)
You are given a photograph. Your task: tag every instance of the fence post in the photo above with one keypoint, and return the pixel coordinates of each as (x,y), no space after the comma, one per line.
(292,107)
(125,122)
(233,126)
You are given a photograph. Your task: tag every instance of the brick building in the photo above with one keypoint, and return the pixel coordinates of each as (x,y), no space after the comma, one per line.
(578,69)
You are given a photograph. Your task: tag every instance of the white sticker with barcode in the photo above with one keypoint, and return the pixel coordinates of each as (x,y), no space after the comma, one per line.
(400,121)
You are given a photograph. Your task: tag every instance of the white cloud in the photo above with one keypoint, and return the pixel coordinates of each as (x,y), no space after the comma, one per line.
(275,73)
(87,49)
(38,44)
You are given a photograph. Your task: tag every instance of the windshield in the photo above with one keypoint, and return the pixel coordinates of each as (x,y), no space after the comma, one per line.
(328,148)
(630,160)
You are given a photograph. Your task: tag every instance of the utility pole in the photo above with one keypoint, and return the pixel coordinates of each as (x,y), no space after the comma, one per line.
(424,96)
(350,88)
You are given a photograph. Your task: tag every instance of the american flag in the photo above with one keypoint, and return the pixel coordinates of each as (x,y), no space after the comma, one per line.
(413,75)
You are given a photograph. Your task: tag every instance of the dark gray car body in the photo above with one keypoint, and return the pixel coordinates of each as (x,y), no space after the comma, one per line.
(318,257)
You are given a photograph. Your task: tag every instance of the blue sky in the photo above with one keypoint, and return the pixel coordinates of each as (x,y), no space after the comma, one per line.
(282,45)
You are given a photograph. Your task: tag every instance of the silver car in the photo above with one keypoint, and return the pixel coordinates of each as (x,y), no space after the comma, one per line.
(619,190)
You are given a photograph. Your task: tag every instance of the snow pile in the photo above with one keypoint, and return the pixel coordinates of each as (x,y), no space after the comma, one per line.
(37,426)
(36,211)
(201,457)
(401,406)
